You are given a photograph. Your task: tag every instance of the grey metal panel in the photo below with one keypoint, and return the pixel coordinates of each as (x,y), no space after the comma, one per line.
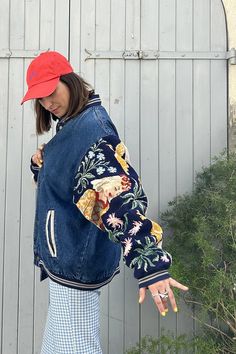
(75,35)
(218,80)
(201,21)
(4,67)
(218,26)
(26,269)
(184,148)
(184,129)
(218,108)
(13,185)
(149,139)
(167,122)
(13,210)
(132,84)
(171,114)
(129,129)
(87,38)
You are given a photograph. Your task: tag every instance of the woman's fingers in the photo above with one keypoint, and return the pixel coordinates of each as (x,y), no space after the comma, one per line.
(172,301)
(162,293)
(165,304)
(178,285)
(38,156)
(159,303)
(142,294)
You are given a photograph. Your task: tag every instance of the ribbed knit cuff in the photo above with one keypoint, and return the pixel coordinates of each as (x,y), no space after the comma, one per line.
(153,278)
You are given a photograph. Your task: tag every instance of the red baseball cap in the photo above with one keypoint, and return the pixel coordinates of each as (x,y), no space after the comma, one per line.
(43,74)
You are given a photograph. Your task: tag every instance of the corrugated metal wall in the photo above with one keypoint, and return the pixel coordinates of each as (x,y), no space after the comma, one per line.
(172,115)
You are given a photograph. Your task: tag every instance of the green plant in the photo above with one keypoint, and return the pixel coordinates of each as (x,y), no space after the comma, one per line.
(203,246)
(169,344)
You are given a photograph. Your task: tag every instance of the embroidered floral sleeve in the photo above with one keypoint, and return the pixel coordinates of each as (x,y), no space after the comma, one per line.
(108,192)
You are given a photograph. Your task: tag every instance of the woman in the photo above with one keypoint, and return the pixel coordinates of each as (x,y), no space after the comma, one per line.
(90,204)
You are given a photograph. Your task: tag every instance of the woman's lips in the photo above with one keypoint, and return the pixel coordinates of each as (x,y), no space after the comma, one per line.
(55,111)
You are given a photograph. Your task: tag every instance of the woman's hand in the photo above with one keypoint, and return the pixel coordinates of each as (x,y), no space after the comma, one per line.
(161,291)
(37,158)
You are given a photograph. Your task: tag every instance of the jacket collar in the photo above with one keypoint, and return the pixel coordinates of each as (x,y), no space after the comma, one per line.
(94,100)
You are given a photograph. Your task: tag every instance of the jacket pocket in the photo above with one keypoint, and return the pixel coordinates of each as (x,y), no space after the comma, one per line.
(50,233)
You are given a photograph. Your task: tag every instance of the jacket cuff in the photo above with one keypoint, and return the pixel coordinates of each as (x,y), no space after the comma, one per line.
(153,278)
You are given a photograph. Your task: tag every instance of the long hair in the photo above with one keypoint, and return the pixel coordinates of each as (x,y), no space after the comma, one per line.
(79,90)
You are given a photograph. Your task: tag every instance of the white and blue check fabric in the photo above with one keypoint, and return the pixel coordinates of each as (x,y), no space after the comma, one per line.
(72,325)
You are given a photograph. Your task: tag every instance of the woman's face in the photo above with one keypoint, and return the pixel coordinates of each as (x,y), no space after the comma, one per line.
(58,102)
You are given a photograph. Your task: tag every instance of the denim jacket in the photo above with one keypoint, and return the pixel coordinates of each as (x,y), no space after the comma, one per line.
(90,204)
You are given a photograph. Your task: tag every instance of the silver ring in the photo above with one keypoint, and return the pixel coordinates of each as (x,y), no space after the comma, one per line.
(162,295)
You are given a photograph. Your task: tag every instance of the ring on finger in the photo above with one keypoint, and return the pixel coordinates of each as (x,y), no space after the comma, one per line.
(162,295)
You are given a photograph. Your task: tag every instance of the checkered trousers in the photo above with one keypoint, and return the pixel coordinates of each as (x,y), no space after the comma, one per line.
(73,321)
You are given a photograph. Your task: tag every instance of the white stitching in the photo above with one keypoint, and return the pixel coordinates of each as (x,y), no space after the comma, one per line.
(50,217)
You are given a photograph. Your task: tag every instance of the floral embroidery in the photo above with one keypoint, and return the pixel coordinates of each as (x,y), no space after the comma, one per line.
(100,170)
(115,234)
(88,165)
(165,259)
(91,154)
(101,156)
(135,228)
(128,245)
(144,259)
(137,198)
(113,221)
(103,175)
(112,169)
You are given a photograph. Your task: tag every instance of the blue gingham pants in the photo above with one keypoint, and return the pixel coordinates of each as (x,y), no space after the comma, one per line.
(72,325)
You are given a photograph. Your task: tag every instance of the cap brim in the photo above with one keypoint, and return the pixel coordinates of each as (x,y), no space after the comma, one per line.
(43,89)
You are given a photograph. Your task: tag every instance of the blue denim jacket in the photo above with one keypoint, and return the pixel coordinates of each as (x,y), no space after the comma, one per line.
(68,248)
(88,196)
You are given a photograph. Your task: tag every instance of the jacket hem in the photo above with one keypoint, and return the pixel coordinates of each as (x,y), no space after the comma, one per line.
(77,284)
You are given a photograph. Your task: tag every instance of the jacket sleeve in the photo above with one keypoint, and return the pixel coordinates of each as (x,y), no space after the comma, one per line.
(35,170)
(108,192)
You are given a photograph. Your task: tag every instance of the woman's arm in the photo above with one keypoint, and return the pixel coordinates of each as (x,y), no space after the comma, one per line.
(109,193)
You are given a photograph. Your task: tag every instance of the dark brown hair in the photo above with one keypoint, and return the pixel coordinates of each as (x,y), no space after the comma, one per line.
(79,96)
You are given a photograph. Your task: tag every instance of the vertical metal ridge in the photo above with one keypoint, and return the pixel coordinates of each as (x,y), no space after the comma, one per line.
(54,23)
(20,223)
(69,29)
(193,91)
(109,69)
(95,42)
